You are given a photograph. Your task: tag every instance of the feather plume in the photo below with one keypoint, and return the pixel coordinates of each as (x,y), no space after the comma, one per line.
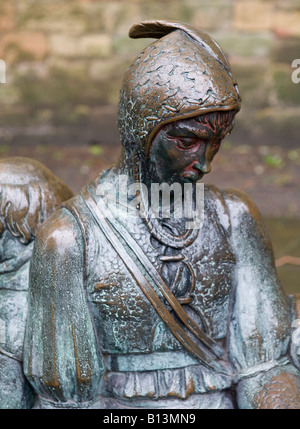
(154,29)
(159,28)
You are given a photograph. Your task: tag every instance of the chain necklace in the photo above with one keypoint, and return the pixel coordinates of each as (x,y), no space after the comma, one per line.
(155,228)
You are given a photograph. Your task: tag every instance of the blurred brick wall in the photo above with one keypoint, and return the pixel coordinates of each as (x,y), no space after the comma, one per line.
(65,60)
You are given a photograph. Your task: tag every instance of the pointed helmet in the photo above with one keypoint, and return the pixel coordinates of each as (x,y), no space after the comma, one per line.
(183,74)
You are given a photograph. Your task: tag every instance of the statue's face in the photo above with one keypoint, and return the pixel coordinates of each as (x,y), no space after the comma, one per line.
(182,151)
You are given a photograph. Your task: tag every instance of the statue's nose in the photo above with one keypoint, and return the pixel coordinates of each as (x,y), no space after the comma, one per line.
(204,166)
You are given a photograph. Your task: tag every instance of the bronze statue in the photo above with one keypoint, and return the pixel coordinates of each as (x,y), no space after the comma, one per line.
(30,193)
(132,308)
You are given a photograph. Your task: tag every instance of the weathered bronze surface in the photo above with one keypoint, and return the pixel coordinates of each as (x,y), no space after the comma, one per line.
(30,193)
(129,310)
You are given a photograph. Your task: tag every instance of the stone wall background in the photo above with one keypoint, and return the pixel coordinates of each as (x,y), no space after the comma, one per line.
(65,60)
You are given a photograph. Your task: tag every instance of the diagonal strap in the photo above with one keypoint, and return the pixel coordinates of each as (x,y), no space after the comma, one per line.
(108,227)
(161,285)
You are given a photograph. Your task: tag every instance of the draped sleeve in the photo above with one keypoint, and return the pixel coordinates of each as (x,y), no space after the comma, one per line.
(260,324)
(62,360)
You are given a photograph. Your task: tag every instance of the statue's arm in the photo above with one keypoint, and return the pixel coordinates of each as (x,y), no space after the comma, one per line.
(61,356)
(260,325)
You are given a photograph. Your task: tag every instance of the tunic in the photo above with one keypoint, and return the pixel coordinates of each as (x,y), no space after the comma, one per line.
(94,340)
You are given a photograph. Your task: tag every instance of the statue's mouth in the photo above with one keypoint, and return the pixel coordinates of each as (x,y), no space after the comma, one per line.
(192,177)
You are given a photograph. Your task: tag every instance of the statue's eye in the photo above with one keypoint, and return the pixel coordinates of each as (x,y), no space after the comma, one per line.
(186,142)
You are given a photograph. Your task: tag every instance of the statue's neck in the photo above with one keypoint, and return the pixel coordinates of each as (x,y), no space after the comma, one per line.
(122,179)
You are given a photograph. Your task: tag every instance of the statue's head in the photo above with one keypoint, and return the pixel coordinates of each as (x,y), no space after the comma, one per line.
(181,77)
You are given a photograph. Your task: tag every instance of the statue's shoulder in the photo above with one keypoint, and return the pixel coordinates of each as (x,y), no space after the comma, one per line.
(240,205)
(232,197)
(235,204)
(61,229)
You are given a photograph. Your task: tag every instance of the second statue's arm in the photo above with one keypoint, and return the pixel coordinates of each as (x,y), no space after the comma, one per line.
(260,325)
(61,357)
